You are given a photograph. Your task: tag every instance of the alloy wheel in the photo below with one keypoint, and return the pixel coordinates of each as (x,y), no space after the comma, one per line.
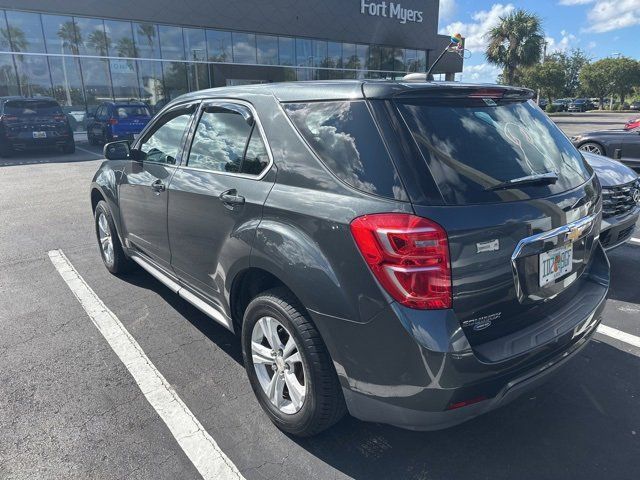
(591,148)
(278,365)
(106,241)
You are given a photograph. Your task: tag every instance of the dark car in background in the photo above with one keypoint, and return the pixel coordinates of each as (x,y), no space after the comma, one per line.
(117,121)
(580,105)
(415,253)
(635,105)
(561,104)
(619,144)
(29,123)
(620,199)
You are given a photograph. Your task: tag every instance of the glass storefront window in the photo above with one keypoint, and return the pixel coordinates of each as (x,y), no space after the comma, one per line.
(362,52)
(119,39)
(386,58)
(91,36)
(67,83)
(219,46)
(124,79)
(197,76)
(244,47)
(5,45)
(151,85)
(287,51)
(175,79)
(97,83)
(60,34)
(349,58)
(421,61)
(145,36)
(25,31)
(195,44)
(398,60)
(304,53)
(410,60)
(267,48)
(319,53)
(33,74)
(8,79)
(171,43)
(334,55)
(373,62)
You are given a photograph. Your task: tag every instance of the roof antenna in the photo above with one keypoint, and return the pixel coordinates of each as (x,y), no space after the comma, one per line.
(455,45)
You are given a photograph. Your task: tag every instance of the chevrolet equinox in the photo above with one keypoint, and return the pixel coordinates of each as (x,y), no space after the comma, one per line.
(414,253)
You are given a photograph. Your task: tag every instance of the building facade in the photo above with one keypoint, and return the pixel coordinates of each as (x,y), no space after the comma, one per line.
(83,52)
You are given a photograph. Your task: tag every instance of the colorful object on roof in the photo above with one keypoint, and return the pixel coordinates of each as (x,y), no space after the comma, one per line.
(457,39)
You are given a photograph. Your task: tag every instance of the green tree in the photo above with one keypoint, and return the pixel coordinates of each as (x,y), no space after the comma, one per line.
(572,63)
(100,42)
(595,79)
(625,74)
(515,43)
(126,48)
(549,77)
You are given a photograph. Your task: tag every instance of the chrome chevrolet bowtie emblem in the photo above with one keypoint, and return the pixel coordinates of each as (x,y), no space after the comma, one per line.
(574,233)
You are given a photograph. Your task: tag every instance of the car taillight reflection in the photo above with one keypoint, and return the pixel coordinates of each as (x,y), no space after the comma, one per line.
(409,256)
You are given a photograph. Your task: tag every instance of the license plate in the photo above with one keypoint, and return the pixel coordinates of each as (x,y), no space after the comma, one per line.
(39,134)
(555,264)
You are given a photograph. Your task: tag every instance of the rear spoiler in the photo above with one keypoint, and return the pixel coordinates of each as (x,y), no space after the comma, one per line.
(419,88)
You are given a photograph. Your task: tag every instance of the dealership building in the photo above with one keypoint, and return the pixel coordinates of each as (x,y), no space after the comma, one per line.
(83,52)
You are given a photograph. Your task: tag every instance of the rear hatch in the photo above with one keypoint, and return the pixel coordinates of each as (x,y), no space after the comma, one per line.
(130,119)
(34,119)
(517,249)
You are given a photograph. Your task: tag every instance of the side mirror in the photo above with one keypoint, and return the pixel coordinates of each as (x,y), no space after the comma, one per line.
(117,150)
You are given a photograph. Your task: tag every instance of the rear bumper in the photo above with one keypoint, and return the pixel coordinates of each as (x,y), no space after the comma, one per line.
(409,368)
(617,230)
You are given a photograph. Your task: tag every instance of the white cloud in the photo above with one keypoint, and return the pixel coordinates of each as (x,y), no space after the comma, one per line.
(475,32)
(575,2)
(592,45)
(447,9)
(607,15)
(482,73)
(567,42)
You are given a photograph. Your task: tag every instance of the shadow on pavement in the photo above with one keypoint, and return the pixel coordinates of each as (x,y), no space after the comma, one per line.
(625,265)
(83,153)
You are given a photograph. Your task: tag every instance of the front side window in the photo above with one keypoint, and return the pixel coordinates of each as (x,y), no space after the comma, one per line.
(225,141)
(344,136)
(163,143)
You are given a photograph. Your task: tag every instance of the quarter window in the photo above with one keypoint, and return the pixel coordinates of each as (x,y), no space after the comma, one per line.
(225,141)
(163,143)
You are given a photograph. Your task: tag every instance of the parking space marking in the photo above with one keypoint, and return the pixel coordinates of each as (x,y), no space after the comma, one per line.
(195,441)
(619,335)
(89,151)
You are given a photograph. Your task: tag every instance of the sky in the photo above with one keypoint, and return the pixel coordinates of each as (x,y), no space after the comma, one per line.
(601,28)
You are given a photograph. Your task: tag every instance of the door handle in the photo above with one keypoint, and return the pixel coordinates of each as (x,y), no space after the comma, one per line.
(230,198)
(158,186)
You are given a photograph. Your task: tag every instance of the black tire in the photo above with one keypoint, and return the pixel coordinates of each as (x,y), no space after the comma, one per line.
(120,263)
(69,148)
(592,147)
(324,403)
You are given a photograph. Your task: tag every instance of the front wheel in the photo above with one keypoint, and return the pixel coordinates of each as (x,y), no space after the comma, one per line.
(591,147)
(288,365)
(111,251)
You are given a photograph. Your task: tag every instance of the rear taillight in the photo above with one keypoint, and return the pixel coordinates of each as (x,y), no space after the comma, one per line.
(409,256)
(8,118)
(113,121)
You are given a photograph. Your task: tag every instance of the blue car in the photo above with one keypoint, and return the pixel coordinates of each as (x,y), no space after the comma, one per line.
(117,121)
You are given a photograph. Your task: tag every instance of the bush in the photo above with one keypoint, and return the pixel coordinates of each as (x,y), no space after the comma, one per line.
(550,108)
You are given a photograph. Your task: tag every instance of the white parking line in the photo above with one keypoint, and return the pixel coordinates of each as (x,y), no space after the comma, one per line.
(89,151)
(199,446)
(635,240)
(619,335)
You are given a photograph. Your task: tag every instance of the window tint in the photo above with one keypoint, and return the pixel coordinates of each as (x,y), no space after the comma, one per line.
(256,159)
(220,141)
(126,111)
(162,144)
(32,107)
(345,138)
(471,145)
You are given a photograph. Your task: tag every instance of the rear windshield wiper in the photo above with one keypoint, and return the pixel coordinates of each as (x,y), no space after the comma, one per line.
(546,178)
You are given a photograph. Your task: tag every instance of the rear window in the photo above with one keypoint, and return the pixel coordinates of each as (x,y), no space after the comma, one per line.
(471,145)
(344,136)
(32,107)
(126,111)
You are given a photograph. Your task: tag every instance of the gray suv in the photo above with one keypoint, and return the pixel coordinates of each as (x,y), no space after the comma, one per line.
(413,253)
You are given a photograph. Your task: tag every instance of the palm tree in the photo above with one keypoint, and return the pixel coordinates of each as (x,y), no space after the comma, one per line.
(18,42)
(148,30)
(70,40)
(100,42)
(514,43)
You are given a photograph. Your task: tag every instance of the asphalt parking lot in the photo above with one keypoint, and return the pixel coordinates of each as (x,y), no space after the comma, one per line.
(70,408)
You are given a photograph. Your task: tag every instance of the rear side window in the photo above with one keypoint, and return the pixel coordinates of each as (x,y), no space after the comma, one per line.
(471,145)
(32,107)
(126,111)
(344,136)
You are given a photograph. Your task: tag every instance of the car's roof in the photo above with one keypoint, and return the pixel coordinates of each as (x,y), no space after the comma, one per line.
(135,103)
(336,89)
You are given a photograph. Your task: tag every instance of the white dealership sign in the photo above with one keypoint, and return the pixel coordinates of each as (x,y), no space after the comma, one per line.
(390,10)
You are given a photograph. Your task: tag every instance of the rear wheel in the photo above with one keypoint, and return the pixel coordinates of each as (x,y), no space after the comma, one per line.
(288,365)
(113,255)
(592,147)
